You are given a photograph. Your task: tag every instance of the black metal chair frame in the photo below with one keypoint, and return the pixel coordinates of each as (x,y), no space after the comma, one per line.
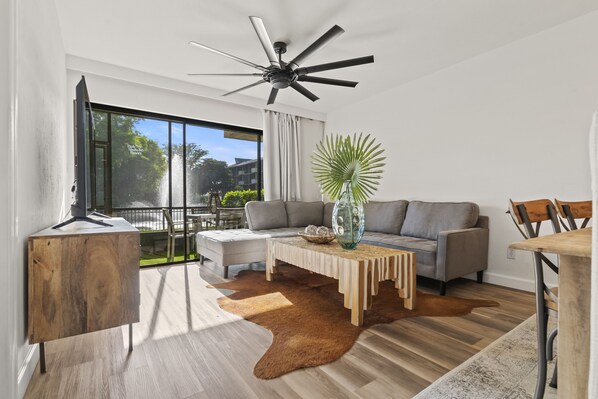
(545,339)
(173,235)
(571,219)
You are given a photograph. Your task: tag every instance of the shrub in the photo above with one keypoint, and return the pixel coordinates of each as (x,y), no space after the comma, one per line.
(238,198)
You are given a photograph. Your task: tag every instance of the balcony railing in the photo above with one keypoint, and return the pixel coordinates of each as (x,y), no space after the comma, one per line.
(152,219)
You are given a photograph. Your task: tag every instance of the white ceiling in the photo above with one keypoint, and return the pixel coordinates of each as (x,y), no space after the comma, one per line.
(409,38)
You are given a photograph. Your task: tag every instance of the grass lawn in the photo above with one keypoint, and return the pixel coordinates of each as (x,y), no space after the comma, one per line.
(160,258)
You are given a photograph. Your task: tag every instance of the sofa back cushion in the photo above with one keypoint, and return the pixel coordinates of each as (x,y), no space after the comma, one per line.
(264,215)
(427,219)
(301,214)
(385,217)
(327,216)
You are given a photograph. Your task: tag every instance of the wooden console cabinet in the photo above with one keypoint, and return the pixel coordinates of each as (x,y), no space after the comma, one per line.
(82,278)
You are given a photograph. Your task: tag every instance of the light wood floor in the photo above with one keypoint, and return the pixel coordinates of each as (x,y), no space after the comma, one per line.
(187,347)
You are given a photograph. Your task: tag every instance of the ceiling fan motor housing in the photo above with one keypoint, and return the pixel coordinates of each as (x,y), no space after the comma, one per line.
(280,78)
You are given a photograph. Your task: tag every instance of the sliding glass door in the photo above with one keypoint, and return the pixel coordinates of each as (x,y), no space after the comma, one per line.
(172,177)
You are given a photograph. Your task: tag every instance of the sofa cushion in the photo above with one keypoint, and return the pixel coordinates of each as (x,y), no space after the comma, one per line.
(327,217)
(427,219)
(280,233)
(301,214)
(425,250)
(233,241)
(262,215)
(385,217)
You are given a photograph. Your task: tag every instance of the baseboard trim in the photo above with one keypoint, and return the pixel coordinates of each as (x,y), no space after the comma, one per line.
(509,281)
(27,369)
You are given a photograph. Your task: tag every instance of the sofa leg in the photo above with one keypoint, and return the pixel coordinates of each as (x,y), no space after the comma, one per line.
(442,290)
(225,271)
(201,259)
(480,277)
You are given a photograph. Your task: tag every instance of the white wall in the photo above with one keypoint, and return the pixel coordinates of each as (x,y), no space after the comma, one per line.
(117,85)
(171,97)
(42,190)
(121,93)
(8,350)
(511,123)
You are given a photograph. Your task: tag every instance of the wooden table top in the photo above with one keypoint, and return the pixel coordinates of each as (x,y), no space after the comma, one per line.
(201,215)
(573,243)
(119,225)
(363,251)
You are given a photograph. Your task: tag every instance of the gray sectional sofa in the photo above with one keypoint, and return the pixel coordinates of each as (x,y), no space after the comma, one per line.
(450,239)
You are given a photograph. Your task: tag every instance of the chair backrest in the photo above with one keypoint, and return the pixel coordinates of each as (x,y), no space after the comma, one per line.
(214,201)
(531,214)
(528,213)
(169,221)
(230,217)
(570,211)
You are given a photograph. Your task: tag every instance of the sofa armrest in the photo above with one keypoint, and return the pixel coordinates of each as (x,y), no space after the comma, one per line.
(461,252)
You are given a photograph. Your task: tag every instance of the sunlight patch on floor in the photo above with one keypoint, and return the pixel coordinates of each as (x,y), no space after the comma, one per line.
(265,303)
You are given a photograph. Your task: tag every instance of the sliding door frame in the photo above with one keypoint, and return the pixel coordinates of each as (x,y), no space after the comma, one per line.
(184,121)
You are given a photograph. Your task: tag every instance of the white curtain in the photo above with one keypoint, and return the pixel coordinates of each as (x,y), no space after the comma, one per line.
(593,377)
(282,156)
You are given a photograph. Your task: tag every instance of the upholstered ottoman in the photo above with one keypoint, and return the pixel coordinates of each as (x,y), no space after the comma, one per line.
(231,247)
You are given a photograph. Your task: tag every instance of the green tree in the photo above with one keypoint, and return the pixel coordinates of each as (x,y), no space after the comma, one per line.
(194,153)
(214,175)
(138,163)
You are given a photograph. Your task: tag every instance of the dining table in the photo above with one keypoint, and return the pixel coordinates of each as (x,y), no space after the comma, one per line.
(574,250)
(198,220)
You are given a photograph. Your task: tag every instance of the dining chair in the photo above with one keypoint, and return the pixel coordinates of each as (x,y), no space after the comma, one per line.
(230,218)
(569,211)
(173,235)
(528,217)
(214,201)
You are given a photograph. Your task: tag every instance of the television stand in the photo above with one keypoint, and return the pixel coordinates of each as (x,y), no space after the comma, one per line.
(101,215)
(81,219)
(82,280)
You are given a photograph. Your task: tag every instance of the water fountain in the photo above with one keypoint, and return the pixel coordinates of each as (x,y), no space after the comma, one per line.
(177,183)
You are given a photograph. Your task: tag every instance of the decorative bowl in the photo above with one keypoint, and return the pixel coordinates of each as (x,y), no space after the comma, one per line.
(316,239)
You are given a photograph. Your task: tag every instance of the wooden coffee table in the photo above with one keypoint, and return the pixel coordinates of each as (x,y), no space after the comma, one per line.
(358,271)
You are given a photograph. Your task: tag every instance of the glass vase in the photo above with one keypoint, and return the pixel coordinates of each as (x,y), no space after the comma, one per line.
(348,221)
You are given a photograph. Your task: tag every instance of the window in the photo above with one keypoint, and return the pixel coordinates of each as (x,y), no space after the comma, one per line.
(143,163)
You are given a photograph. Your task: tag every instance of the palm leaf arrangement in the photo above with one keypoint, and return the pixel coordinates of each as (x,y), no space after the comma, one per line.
(337,159)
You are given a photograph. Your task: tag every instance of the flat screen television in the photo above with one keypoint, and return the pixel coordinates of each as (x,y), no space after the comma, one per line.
(83,133)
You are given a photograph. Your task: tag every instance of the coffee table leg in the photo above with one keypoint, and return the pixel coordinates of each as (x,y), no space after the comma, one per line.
(411,284)
(271,261)
(357,295)
(269,266)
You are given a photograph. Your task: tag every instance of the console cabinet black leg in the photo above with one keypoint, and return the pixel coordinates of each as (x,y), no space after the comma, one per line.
(42,357)
(480,277)
(131,337)
(442,290)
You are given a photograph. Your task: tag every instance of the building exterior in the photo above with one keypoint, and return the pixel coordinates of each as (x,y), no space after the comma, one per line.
(246,173)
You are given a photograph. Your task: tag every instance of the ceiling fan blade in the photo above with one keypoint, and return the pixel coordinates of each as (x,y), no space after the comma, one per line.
(327,37)
(224,74)
(335,65)
(259,82)
(304,91)
(241,60)
(272,97)
(327,81)
(262,34)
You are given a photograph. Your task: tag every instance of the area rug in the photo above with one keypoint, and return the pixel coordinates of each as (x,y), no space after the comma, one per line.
(308,321)
(506,369)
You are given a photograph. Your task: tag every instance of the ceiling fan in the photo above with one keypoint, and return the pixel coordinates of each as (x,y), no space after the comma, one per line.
(281,74)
